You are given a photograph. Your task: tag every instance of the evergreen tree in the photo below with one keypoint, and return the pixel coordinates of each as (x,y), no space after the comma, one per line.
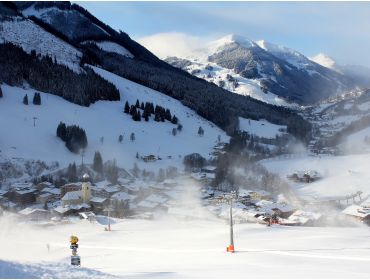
(72,172)
(1,93)
(146,117)
(137,155)
(200,131)
(174,131)
(36,99)
(138,116)
(168,115)
(179,127)
(120,138)
(62,131)
(174,120)
(25,100)
(142,106)
(137,105)
(112,171)
(132,137)
(157,117)
(127,108)
(132,110)
(98,163)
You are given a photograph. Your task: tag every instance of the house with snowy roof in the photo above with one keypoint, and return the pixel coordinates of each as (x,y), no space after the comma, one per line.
(358,212)
(34,214)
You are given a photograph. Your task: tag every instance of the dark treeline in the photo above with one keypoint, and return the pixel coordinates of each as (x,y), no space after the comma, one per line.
(74,137)
(43,74)
(140,111)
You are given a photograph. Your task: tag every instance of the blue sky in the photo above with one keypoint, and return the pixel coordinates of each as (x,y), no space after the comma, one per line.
(339,29)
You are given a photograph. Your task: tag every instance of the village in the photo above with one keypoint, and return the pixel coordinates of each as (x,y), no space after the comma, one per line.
(134,198)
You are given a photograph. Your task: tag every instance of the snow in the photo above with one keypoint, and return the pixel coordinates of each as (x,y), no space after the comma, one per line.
(98,199)
(342,175)
(356,210)
(324,60)
(30,36)
(219,44)
(183,249)
(114,48)
(293,57)
(102,119)
(261,128)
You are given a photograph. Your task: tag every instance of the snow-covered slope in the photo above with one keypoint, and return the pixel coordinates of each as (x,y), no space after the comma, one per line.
(29,36)
(292,56)
(261,128)
(102,119)
(114,48)
(184,249)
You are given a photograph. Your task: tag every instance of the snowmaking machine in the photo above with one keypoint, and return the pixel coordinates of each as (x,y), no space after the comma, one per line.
(75,259)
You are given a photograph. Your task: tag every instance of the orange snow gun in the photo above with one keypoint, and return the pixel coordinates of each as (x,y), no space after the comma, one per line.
(230,249)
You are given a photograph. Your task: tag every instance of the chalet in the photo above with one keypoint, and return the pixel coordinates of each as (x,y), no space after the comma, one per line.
(358,212)
(282,210)
(61,211)
(34,214)
(149,158)
(23,196)
(304,218)
(72,197)
(43,185)
(98,203)
(44,198)
(70,188)
(305,176)
(208,169)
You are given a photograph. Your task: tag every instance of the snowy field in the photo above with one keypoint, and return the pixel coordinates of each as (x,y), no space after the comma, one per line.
(169,248)
(342,175)
(261,128)
(102,119)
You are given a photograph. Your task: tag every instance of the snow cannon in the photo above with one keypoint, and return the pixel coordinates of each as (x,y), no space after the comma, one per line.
(230,249)
(75,259)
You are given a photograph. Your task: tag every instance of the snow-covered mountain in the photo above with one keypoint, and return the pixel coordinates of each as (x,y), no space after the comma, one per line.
(264,71)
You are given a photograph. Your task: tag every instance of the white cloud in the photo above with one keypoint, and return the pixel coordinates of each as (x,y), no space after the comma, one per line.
(168,44)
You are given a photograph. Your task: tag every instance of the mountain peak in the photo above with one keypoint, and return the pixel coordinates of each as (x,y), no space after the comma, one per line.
(324,60)
(231,39)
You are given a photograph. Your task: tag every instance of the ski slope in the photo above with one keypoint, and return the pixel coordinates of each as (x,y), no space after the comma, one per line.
(168,248)
(102,119)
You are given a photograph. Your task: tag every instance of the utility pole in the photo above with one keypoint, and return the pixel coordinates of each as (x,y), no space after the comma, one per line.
(231,247)
(34,121)
(82,156)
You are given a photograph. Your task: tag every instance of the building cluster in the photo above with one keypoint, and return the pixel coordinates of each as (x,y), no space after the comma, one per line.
(127,198)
